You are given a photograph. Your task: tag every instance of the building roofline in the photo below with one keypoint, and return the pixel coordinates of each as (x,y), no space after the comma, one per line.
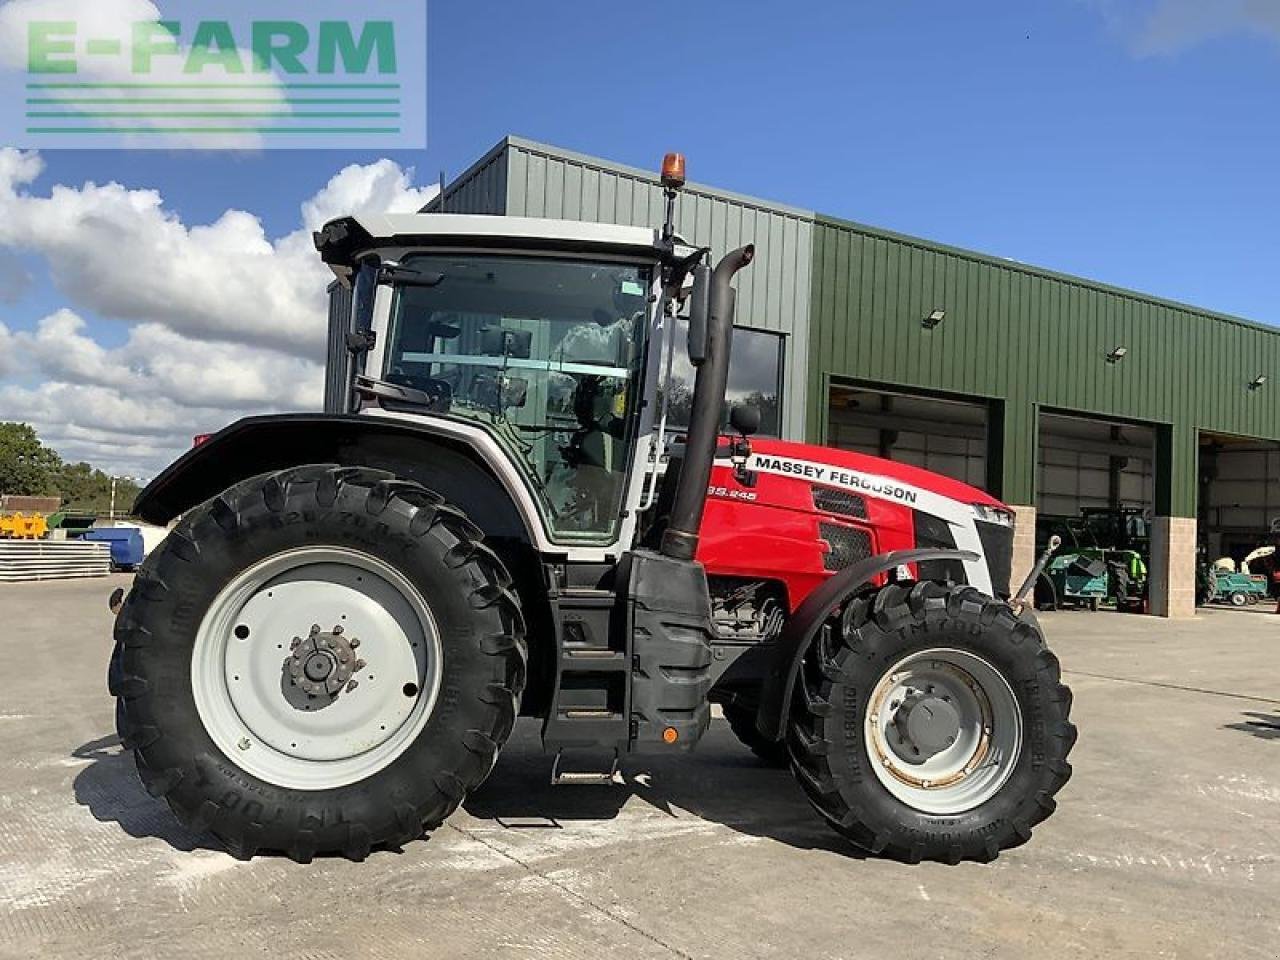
(515,141)
(1044,273)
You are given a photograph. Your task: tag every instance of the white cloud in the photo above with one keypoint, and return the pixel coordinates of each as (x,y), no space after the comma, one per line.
(7,355)
(223,320)
(1165,27)
(120,253)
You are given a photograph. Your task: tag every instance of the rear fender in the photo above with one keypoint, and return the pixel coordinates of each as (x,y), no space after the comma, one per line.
(808,619)
(417,450)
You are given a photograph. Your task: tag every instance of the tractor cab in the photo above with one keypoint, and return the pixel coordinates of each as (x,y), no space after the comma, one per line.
(552,353)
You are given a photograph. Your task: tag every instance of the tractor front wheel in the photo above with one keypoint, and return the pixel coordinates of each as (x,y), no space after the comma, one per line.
(930,723)
(318,661)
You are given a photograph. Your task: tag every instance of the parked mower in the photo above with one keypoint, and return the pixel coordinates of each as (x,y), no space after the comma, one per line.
(1226,585)
(331,647)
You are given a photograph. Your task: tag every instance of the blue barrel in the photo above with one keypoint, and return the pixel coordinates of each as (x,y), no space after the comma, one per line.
(126,544)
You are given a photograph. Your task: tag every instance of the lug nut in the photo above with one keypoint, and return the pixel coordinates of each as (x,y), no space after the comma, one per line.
(359,665)
(352,685)
(315,628)
(355,642)
(244,743)
(337,628)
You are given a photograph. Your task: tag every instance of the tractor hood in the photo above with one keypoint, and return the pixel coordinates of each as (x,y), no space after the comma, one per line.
(845,468)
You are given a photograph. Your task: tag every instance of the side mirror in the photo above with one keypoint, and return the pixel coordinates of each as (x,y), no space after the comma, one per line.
(745,419)
(501,342)
(699,311)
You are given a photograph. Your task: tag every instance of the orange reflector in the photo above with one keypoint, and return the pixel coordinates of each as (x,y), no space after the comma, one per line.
(673,170)
(670,735)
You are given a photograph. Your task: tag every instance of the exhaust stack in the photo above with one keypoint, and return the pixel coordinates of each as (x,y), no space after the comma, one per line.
(680,540)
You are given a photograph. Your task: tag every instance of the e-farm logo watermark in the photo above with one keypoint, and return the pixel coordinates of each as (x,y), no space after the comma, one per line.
(212,74)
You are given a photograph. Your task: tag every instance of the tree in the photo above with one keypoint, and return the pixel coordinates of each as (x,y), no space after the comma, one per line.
(27,466)
(85,489)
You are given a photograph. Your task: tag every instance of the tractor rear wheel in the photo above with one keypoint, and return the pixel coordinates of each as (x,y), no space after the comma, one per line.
(318,661)
(742,721)
(931,723)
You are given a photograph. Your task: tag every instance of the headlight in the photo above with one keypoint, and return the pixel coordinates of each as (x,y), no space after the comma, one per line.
(993,515)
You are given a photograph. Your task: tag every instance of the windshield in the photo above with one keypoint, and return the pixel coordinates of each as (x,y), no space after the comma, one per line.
(543,353)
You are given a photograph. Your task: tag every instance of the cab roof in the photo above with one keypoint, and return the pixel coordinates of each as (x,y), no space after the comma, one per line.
(343,240)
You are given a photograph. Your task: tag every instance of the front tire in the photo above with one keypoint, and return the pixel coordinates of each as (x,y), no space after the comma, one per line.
(930,723)
(240,665)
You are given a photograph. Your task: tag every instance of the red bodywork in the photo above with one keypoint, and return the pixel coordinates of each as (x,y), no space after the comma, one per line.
(770,531)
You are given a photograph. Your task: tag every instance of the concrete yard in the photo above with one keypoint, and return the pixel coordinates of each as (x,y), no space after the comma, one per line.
(1166,843)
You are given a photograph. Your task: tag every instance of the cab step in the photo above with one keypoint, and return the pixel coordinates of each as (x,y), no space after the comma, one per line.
(561,777)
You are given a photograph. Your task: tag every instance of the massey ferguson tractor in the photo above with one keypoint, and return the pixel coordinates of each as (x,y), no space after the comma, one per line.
(494,519)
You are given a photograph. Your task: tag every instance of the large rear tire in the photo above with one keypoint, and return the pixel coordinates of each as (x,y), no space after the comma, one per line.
(930,723)
(318,661)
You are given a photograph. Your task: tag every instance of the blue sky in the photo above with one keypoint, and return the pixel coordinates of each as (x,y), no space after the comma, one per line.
(1129,141)
(1041,132)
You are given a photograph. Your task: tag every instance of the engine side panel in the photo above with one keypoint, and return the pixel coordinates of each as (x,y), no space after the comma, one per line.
(809,512)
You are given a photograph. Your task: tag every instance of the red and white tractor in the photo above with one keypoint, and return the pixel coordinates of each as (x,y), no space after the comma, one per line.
(332,645)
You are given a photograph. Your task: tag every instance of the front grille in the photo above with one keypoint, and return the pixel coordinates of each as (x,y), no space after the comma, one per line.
(997,547)
(829,500)
(847,545)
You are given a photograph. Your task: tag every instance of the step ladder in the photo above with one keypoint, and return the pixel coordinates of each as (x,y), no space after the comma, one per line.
(587,723)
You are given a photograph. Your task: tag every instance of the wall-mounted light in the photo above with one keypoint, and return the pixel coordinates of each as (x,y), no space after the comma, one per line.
(1257,381)
(934,318)
(1118,354)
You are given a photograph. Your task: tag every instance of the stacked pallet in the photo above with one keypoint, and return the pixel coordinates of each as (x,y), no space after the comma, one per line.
(52,559)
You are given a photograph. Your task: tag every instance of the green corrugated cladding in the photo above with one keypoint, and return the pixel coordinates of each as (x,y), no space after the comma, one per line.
(1031,340)
(1022,338)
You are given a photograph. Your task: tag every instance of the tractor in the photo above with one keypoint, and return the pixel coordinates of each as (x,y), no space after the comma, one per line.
(493,518)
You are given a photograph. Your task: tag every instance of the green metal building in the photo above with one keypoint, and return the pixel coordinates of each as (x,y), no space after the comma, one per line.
(1051,391)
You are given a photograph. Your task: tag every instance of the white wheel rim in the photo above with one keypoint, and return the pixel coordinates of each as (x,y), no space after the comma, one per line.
(244,683)
(926,698)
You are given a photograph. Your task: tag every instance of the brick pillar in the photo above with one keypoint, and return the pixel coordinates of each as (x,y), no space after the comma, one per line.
(1172,573)
(1024,544)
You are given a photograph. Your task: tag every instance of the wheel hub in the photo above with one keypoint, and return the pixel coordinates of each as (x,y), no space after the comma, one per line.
(943,730)
(323,662)
(927,722)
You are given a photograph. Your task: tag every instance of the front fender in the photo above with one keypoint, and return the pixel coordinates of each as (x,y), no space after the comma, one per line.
(808,619)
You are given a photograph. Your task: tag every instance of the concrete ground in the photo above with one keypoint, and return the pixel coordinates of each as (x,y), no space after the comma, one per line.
(1166,843)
